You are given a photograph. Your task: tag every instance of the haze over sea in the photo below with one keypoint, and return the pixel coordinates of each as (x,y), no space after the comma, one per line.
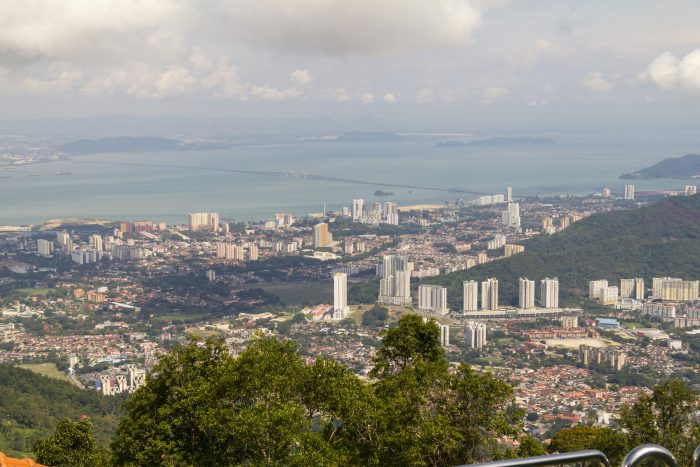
(577,163)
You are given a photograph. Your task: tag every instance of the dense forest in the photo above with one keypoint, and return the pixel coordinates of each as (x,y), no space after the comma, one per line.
(659,240)
(31,405)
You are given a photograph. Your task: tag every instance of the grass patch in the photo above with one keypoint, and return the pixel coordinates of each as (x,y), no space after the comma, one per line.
(33,291)
(46,369)
(300,293)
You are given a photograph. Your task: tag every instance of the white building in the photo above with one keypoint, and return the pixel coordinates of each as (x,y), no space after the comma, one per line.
(526,293)
(629,192)
(549,293)
(475,334)
(691,190)
(340,296)
(632,288)
(489,294)
(432,298)
(499,241)
(609,295)
(395,284)
(511,216)
(203,221)
(391,213)
(96,242)
(509,194)
(606,193)
(595,286)
(471,296)
(44,247)
(674,289)
(358,206)
(444,335)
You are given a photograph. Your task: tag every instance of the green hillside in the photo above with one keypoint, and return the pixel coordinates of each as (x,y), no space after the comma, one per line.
(659,240)
(31,405)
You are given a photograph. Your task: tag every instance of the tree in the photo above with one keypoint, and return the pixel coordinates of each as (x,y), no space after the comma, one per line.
(412,342)
(614,444)
(375,316)
(530,447)
(665,418)
(71,444)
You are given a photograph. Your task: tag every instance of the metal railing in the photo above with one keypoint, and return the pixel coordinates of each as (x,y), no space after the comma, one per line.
(633,459)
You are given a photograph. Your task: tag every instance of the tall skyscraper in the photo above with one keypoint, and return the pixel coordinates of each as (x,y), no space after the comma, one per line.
(526,293)
(639,289)
(395,283)
(606,193)
(358,206)
(511,216)
(595,286)
(691,190)
(509,194)
(63,238)
(44,247)
(629,192)
(432,298)
(444,335)
(475,333)
(253,252)
(322,238)
(549,293)
(340,296)
(391,213)
(471,293)
(609,295)
(489,294)
(96,242)
(674,289)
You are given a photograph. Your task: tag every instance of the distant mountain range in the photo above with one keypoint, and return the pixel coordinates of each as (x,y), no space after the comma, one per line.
(659,240)
(135,144)
(684,167)
(497,141)
(369,137)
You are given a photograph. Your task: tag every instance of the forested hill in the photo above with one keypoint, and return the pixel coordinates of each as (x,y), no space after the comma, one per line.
(31,405)
(659,240)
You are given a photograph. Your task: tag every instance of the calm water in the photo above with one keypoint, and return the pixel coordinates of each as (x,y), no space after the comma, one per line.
(576,164)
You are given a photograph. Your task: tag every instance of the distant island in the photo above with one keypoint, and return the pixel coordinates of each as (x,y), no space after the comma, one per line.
(383,193)
(684,167)
(135,144)
(451,144)
(369,137)
(497,141)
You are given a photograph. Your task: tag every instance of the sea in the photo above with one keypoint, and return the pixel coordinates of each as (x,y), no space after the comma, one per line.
(165,186)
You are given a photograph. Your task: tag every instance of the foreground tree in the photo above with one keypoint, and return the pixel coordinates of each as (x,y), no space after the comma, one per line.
(666,418)
(614,444)
(269,406)
(71,444)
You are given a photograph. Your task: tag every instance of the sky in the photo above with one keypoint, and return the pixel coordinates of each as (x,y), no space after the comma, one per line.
(505,64)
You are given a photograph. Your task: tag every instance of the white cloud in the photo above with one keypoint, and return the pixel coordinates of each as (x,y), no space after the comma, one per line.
(337,94)
(595,82)
(301,77)
(425,96)
(367,98)
(224,80)
(493,94)
(389,97)
(354,27)
(669,72)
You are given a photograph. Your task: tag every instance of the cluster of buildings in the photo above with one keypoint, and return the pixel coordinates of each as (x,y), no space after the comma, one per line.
(228,250)
(395,282)
(375,213)
(668,289)
(602,357)
(122,383)
(549,294)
